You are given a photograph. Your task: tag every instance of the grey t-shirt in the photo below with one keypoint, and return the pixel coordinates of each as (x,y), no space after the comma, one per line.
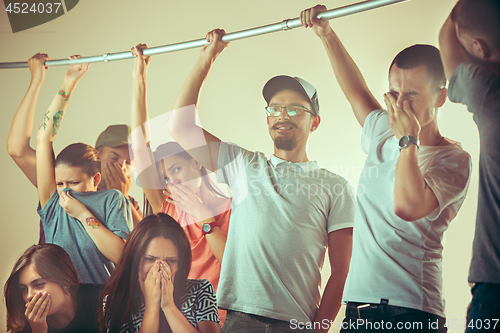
(281,216)
(479,89)
(110,207)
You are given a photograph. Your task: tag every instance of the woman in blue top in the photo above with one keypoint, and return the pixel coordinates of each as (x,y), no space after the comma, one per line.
(89,225)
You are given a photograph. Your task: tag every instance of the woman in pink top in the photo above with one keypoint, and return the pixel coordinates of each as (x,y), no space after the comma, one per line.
(192,200)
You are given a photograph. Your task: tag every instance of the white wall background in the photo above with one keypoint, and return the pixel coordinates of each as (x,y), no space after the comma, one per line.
(231,103)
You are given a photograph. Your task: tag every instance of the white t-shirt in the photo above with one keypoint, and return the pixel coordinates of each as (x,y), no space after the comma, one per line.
(281,215)
(394,259)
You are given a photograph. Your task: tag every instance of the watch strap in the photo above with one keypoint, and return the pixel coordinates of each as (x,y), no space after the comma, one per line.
(212,226)
(411,140)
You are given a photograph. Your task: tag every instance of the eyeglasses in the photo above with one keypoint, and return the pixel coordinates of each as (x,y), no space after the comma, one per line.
(291,111)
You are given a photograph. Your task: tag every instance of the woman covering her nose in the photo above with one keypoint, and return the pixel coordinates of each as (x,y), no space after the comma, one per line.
(192,199)
(43,294)
(149,290)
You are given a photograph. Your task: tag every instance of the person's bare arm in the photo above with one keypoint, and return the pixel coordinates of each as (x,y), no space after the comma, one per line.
(189,202)
(339,252)
(413,198)
(452,53)
(110,245)
(176,320)
(136,217)
(151,291)
(48,130)
(141,137)
(182,120)
(346,71)
(18,142)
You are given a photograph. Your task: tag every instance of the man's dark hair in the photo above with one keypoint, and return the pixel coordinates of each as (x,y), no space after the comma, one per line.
(480,18)
(421,54)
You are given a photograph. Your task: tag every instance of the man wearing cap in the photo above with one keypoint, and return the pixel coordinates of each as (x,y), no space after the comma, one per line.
(413,184)
(286,210)
(117,164)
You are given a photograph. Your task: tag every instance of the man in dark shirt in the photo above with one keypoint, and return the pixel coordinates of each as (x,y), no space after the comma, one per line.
(470,49)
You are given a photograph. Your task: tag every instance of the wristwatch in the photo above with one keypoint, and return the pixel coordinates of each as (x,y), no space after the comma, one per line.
(208,227)
(406,140)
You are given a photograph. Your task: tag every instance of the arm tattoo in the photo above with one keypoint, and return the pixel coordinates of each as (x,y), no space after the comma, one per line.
(63,94)
(44,120)
(57,122)
(92,222)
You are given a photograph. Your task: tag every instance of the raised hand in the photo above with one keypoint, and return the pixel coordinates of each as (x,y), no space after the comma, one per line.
(37,67)
(115,177)
(189,202)
(151,286)
(167,288)
(76,72)
(37,310)
(403,121)
(216,46)
(309,20)
(141,62)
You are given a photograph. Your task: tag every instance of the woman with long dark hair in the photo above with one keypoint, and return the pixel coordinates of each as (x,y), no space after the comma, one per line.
(149,290)
(175,184)
(89,225)
(43,294)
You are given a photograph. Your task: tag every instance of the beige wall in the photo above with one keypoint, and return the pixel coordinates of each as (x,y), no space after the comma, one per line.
(231,103)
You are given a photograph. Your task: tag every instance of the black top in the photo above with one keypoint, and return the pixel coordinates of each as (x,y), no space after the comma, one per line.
(87,310)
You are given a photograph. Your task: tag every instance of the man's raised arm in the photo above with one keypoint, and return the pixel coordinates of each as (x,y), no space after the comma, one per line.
(182,120)
(348,75)
(452,53)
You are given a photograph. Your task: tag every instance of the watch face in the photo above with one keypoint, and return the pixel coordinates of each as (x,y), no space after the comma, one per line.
(405,140)
(206,227)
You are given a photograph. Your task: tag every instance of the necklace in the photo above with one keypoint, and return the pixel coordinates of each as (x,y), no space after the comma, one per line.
(441,141)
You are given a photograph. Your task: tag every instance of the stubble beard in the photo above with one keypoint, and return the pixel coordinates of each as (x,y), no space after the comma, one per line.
(283,143)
